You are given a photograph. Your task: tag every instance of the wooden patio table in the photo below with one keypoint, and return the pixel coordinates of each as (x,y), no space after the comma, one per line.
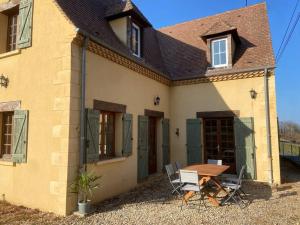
(208,172)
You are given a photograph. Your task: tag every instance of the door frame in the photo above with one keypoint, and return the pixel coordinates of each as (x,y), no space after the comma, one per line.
(149,113)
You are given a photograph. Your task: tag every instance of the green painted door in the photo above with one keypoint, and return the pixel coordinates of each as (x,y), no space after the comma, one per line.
(193,137)
(245,146)
(143,148)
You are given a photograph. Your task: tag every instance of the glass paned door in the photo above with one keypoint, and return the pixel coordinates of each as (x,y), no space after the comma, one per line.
(219,141)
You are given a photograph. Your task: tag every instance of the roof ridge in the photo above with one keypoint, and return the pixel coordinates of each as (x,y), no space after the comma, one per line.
(206,17)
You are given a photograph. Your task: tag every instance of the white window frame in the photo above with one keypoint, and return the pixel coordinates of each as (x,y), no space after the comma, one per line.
(212,52)
(139,40)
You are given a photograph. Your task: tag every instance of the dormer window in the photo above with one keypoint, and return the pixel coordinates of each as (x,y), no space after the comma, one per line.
(219,52)
(136,40)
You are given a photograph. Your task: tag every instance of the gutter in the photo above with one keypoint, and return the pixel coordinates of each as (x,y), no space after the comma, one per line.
(268,127)
(82,156)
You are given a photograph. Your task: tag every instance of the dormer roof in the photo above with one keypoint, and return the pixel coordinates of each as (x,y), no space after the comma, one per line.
(122,8)
(179,51)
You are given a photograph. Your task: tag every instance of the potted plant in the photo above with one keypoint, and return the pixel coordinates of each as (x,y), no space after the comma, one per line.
(84,185)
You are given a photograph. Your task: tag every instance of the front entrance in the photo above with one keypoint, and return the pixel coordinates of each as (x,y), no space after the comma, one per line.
(219,141)
(152,146)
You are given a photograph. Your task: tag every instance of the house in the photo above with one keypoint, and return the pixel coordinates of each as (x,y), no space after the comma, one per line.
(91,84)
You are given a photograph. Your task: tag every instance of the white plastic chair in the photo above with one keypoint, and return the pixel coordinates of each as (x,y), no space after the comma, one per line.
(189,181)
(174,181)
(214,161)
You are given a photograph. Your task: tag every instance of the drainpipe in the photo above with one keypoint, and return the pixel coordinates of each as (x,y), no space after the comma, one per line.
(82,157)
(268,127)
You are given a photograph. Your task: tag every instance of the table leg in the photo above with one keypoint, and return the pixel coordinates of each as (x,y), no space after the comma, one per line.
(218,184)
(190,194)
(212,198)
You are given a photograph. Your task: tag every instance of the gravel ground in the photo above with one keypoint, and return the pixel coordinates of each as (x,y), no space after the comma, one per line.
(151,203)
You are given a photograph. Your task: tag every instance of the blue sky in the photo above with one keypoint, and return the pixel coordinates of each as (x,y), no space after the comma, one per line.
(167,12)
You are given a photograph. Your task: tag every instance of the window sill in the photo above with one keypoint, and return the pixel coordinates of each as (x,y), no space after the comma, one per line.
(109,161)
(8,54)
(7,163)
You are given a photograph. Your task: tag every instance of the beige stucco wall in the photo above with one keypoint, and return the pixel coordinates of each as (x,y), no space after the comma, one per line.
(222,96)
(3,34)
(39,77)
(108,81)
(119,26)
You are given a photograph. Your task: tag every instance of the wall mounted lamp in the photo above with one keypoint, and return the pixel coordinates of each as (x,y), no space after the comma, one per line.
(177,132)
(253,94)
(3,81)
(156,100)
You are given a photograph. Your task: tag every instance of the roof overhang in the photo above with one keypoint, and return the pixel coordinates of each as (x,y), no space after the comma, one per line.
(142,20)
(232,31)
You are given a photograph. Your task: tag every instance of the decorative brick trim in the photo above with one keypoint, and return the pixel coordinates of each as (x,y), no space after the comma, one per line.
(121,60)
(130,64)
(218,78)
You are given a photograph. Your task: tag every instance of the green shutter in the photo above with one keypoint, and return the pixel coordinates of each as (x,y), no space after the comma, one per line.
(193,137)
(142,147)
(245,146)
(92,135)
(166,141)
(25,23)
(20,129)
(127,135)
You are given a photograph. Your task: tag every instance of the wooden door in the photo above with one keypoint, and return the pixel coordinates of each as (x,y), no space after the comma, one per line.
(143,123)
(152,146)
(219,141)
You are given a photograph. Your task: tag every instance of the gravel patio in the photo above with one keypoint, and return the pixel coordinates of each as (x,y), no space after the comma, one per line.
(151,203)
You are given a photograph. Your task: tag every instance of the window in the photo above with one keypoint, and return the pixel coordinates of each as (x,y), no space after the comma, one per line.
(107,135)
(12,31)
(136,40)
(219,53)
(6,134)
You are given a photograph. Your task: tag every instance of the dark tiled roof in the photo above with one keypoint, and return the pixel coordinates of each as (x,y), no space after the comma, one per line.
(255,49)
(218,27)
(178,51)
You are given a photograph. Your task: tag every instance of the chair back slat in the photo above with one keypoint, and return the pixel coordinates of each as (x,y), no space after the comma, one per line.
(214,161)
(189,176)
(170,170)
(178,165)
(241,174)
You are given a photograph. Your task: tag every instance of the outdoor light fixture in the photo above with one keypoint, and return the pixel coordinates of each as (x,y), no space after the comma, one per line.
(156,100)
(3,81)
(253,94)
(177,132)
